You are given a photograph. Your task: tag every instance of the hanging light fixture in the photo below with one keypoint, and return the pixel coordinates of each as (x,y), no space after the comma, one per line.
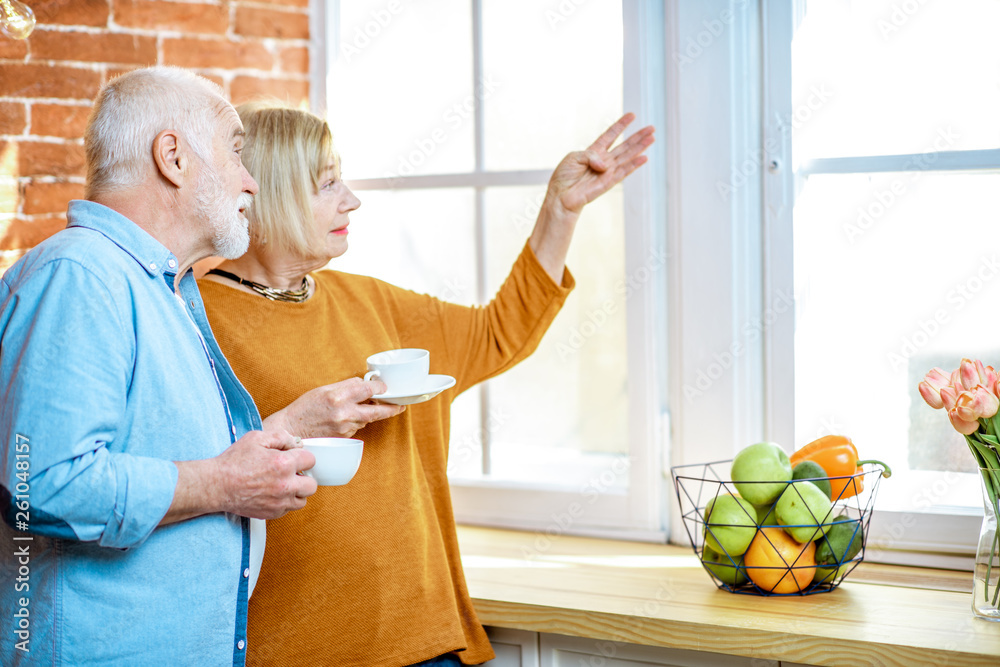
(16,19)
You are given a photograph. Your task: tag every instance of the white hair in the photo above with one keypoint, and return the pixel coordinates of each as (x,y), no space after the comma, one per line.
(132,109)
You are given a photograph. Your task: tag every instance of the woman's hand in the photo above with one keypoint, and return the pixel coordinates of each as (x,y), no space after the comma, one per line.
(583,176)
(335,410)
(580,178)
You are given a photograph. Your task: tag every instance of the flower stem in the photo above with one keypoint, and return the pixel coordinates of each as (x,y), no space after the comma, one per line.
(993,550)
(987,459)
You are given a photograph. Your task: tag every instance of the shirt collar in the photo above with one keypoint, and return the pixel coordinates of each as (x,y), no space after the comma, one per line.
(150,254)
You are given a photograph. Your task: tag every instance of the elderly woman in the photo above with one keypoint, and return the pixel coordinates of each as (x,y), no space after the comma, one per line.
(369,573)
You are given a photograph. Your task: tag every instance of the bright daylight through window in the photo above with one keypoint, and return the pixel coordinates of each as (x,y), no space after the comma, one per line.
(895,232)
(473,105)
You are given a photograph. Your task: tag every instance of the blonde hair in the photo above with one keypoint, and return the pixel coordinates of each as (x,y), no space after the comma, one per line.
(286,151)
(132,109)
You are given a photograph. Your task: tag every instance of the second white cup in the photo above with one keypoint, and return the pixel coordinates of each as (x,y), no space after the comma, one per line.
(337,459)
(404,370)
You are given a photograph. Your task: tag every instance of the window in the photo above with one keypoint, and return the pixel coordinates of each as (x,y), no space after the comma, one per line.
(895,242)
(450,116)
(809,189)
(832,172)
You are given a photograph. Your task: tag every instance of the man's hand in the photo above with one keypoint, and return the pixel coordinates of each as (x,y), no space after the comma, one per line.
(256,477)
(336,410)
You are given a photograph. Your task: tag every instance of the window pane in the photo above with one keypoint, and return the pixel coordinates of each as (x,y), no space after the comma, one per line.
(877,77)
(561,413)
(894,274)
(400,88)
(468,433)
(423,240)
(554,78)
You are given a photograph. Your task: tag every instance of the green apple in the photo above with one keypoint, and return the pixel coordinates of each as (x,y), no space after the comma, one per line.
(804,511)
(730,524)
(722,567)
(765,515)
(760,472)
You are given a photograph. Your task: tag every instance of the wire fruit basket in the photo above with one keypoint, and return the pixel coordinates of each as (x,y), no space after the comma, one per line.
(778,564)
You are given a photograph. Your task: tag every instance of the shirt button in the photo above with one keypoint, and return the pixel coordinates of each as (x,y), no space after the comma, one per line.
(233,429)
(171,263)
(240,644)
(152,266)
(246,573)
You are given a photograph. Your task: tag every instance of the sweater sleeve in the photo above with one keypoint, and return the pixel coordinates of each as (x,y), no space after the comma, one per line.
(483,341)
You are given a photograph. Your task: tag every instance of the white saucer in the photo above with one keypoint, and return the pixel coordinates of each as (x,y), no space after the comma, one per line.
(435,385)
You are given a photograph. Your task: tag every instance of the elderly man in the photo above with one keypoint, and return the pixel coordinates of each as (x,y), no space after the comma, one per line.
(131,454)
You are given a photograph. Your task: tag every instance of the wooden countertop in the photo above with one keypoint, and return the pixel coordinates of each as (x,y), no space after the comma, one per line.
(659,595)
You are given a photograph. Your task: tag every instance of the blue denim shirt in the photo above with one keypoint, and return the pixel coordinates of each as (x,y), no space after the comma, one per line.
(107,377)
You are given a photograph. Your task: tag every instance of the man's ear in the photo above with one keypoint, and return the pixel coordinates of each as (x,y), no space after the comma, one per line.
(172,156)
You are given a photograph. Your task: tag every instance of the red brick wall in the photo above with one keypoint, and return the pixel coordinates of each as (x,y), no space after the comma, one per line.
(48,82)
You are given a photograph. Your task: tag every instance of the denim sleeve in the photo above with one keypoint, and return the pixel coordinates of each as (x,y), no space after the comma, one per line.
(66,363)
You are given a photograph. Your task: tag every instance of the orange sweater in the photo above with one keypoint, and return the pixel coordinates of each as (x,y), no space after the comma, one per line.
(369,573)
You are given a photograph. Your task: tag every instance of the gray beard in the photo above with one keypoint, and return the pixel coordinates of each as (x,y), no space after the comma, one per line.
(230,232)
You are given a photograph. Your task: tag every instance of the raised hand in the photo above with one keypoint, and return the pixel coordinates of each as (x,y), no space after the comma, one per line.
(579,179)
(583,176)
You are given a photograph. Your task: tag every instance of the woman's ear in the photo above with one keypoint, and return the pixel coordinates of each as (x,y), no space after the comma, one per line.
(172,156)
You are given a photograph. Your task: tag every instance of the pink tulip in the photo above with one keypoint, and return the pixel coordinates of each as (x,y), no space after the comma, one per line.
(931,387)
(976,404)
(991,378)
(956,379)
(973,373)
(933,398)
(949,396)
(987,402)
(965,407)
(962,426)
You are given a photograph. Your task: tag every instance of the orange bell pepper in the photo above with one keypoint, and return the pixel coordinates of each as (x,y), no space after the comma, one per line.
(838,456)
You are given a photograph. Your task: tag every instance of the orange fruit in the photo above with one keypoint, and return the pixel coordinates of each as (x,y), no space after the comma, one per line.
(779,564)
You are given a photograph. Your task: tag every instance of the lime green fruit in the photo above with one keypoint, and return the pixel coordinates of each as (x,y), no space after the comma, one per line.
(760,472)
(841,543)
(830,575)
(722,567)
(730,524)
(810,470)
(804,512)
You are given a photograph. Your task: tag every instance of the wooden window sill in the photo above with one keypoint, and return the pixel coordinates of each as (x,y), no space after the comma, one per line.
(659,595)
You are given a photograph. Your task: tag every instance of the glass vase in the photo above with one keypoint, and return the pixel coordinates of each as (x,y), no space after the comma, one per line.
(986,576)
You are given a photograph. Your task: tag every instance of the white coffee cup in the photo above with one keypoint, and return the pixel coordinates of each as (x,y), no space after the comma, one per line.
(337,459)
(404,370)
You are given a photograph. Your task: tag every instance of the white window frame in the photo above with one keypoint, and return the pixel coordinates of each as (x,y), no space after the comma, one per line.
(725,68)
(597,507)
(938,535)
(750,137)
(718,379)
